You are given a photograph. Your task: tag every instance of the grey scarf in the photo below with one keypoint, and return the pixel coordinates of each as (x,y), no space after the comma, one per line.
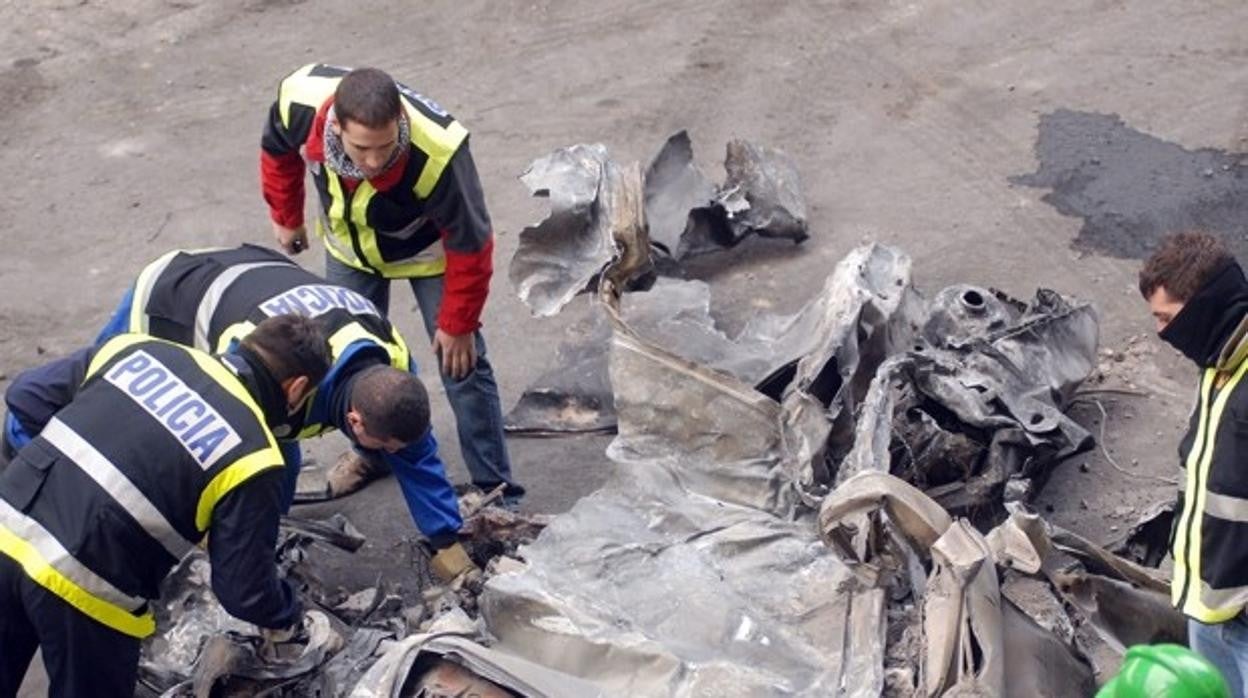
(336,157)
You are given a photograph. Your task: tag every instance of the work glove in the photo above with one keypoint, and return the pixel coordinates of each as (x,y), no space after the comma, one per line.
(274,641)
(453,566)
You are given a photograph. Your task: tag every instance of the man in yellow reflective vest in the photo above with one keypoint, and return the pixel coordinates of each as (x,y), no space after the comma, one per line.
(1198,296)
(400,199)
(162,446)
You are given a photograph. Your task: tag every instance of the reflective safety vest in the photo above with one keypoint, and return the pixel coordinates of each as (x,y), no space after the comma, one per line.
(123,481)
(211,298)
(1210,537)
(380,234)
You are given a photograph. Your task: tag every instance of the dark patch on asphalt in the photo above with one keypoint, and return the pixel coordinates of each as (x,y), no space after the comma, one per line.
(1131,188)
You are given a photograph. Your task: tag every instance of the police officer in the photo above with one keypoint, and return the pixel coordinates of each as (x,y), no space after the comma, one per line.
(1198,296)
(161,446)
(400,199)
(210,298)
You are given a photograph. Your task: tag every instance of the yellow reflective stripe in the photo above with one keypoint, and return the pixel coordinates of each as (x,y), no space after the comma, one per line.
(55,554)
(240,470)
(48,577)
(336,235)
(359,215)
(333,228)
(301,88)
(143,291)
(354,332)
(438,143)
(407,270)
(232,476)
(236,331)
(400,358)
(1190,474)
(312,430)
(1198,486)
(1221,605)
(113,481)
(113,347)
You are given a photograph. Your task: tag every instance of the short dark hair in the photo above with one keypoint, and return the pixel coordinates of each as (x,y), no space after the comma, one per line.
(291,346)
(1183,264)
(367,96)
(392,403)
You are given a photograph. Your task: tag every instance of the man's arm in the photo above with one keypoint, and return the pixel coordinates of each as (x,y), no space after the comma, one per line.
(429,495)
(38,393)
(457,206)
(241,545)
(419,469)
(281,170)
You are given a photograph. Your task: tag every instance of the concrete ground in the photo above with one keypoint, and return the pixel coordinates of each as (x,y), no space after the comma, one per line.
(131,127)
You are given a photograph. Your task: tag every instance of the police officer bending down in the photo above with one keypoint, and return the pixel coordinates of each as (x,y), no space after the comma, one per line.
(209,299)
(161,446)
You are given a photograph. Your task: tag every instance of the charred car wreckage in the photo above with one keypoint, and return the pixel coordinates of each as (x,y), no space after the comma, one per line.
(828,503)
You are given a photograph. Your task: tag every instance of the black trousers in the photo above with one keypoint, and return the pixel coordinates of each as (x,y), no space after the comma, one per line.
(83,657)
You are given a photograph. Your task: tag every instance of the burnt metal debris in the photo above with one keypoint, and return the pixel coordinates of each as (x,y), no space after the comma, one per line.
(199,650)
(872,474)
(831,502)
(687,215)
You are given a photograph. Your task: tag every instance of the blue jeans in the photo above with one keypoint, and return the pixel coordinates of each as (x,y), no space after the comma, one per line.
(1225,645)
(474,399)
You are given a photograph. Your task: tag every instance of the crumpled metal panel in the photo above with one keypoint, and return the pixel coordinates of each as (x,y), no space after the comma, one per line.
(675,189)
(684,214)
(974,641)
(698,568)
(962,608)
(974,411)
(868,296)
(198,644)
(762,193)
(559,257)
(574,395)
(690,216)
(695,570)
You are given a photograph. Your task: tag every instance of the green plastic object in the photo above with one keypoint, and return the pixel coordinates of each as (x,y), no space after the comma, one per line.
(1165,671)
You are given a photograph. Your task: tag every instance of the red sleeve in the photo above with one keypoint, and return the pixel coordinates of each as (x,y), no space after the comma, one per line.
(281,180)
(464,288)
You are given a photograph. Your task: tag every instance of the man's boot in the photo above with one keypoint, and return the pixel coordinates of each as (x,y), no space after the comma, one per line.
(352,471)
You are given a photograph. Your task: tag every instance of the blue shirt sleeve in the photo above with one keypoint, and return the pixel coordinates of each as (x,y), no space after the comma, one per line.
(429,495)
(38,393)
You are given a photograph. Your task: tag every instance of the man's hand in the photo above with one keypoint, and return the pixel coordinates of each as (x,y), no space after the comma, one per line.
(458,353)
(292,240)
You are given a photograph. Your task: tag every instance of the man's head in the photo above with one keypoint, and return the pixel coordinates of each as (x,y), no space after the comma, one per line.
(367,110)
(389,409)
(1181,266)
(294,350)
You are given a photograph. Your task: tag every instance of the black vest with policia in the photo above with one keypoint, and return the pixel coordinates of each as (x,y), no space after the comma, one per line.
(123,481)
(210,298)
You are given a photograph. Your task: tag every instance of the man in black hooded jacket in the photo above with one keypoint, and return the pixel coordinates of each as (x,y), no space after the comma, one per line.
(1198,295)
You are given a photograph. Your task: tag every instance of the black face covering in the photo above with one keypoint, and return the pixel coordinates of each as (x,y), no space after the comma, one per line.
(263,387)
(1209,318)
